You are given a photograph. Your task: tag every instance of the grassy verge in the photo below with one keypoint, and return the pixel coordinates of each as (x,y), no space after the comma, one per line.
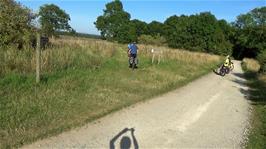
(257,84)
(94,81)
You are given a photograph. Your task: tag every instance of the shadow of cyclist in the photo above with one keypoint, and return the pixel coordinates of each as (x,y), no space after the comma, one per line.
(125,142)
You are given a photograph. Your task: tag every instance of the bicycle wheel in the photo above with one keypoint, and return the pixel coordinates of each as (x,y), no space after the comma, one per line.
(222,71)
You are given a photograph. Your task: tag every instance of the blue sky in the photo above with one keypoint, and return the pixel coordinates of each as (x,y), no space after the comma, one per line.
(84,12)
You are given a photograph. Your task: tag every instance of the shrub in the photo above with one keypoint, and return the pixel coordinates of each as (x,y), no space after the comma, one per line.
(262,61)
(15,24)
(154,40)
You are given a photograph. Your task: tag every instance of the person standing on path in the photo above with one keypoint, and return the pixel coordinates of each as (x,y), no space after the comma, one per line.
(132,53)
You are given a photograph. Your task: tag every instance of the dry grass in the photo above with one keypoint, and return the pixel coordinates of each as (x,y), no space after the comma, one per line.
(64,53)
(93,45)
(180,54)
(251,64)
(263,78)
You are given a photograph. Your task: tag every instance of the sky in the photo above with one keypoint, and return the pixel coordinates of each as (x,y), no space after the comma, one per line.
(83,13)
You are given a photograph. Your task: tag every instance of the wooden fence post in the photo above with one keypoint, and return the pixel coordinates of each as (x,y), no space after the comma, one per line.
(38,57)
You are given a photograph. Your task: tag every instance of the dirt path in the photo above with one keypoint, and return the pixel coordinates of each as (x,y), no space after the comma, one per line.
(211,112)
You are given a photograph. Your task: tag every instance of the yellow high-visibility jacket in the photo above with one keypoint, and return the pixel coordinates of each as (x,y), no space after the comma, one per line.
(226,62)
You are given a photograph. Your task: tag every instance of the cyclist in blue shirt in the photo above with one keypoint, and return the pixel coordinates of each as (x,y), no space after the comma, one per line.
(132,52)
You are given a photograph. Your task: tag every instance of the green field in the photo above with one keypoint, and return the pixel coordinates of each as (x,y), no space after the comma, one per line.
(83,79)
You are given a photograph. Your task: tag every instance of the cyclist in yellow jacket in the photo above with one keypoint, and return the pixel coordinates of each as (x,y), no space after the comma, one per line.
(227,64)
(227,61)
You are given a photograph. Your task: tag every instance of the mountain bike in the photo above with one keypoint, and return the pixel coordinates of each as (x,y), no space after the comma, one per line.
(224,70)
(230,68)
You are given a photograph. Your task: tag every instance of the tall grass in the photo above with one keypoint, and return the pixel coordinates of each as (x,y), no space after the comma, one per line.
(83,79)
(180,54)
(257,96)
(63,54)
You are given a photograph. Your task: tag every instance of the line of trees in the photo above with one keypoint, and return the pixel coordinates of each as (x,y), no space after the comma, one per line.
(249,37)
(200,32)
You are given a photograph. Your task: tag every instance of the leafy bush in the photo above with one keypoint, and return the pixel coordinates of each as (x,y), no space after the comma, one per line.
(262,60)
(154,40)
(200,32)
(15,24)
(249,39)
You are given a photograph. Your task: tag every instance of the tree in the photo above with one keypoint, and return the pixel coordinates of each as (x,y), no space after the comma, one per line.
(262,60)
(154,40)
(15,24)
(250,35)
(174,30)
(140,26)
(156,28)
(227,29)
(115,24)
(199,32)
(259,15)
(53,19)
(253,18)
(210,30)
(244,20)
(126,33)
